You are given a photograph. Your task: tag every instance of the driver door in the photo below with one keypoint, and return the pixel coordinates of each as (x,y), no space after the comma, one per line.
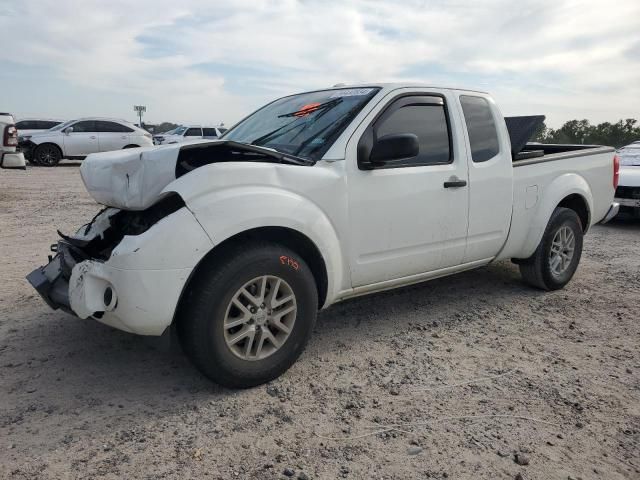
(405,217)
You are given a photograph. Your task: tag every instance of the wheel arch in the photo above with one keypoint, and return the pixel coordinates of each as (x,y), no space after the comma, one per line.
(578,204)
(288,237)
(131,145)
(569,190)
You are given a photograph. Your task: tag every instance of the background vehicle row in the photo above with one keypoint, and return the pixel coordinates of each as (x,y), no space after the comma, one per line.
(76,139)
(188,133)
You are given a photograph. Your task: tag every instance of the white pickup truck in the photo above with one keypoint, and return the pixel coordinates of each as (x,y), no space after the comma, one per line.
(313,199)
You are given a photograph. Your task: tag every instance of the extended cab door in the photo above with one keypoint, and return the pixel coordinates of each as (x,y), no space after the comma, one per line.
(409,216)
(490,176)
(83,140)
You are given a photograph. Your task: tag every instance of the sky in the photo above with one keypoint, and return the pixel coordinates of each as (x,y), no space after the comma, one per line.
(202,61)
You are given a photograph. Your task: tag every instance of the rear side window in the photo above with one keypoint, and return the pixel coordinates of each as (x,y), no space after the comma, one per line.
(113,127)
(426,118)
(483,136)
(209,132)
(193,132)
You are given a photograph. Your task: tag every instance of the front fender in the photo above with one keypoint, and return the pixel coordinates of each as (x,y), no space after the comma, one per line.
(229,199)
(559,189)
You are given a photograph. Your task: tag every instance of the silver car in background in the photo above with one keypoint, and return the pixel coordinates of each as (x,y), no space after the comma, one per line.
(628,191)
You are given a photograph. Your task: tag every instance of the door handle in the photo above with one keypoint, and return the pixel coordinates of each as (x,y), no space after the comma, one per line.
(455,182)
(93,137)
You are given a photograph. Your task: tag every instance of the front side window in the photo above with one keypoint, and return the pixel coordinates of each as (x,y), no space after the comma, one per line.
(305,125)
(483,136)
(193,132)
(424,118)
(85,126)
(62,126)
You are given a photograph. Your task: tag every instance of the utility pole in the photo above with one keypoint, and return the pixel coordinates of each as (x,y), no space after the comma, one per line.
(140,109)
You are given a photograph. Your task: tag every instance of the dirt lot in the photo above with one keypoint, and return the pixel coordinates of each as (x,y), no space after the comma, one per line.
(474,376)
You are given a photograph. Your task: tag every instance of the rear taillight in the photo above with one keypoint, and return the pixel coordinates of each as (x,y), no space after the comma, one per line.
(10,137)
(616,171)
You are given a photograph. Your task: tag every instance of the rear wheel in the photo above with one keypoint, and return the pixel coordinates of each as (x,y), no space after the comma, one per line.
(557,257)
(248,317)
(47,154)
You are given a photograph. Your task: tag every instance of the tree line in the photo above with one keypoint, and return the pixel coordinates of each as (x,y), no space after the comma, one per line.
(618,134)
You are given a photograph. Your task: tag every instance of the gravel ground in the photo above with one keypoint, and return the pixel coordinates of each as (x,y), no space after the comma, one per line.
(473,376)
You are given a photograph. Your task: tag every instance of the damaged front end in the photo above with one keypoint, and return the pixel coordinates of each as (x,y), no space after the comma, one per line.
(75,279)
(128,267)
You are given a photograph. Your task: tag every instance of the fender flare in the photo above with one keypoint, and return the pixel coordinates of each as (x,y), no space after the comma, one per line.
(553,194)
(246,208)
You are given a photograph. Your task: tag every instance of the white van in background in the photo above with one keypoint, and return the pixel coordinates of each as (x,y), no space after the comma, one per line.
(9,156)
(187,133)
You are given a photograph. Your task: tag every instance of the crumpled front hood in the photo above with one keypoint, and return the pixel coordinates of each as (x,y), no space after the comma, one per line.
(129,179)
(133,179)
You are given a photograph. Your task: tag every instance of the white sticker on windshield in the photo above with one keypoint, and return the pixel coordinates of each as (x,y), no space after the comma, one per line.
(351,92)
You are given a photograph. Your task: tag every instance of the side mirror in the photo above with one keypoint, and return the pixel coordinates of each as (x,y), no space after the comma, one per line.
(394,147)
(68,130)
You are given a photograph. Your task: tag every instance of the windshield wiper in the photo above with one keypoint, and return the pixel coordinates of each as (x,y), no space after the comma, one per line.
(306,111)
(272,134)
(332,127)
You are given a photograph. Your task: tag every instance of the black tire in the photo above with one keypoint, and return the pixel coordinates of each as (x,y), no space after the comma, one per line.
(131,146)
(200,321)
(47,155)
(537,270)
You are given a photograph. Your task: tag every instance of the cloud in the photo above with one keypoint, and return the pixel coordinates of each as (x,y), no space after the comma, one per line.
(196,60)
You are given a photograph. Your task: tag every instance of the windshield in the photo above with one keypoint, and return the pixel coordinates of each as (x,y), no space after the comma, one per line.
(304,125)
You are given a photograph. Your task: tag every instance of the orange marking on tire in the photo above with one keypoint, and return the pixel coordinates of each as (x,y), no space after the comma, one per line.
(284,260)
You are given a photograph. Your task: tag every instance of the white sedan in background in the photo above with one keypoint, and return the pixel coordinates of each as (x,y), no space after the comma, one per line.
(628,191)
(188,133)
(76,139)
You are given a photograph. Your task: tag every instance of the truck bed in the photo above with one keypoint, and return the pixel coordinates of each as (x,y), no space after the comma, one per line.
(522,128)
(540,182)
(538,152)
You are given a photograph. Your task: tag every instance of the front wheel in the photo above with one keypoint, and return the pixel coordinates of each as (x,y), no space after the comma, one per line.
(47,154)
(247,318)
(557,257)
